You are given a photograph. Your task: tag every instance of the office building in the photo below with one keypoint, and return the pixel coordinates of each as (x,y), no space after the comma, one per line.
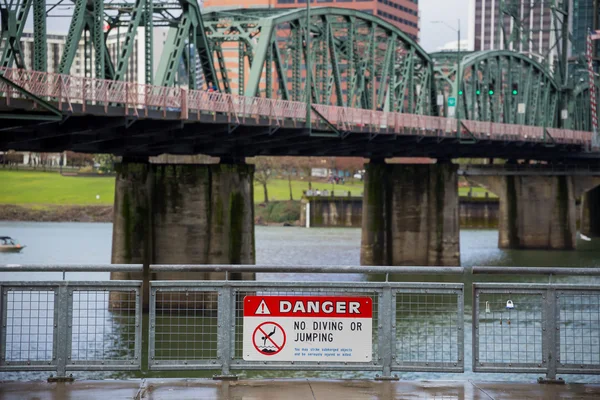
(530,25)
(402,13)
(584,17)
(83,64)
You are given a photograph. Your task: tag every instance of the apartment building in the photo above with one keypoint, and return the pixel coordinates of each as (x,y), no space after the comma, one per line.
(83,64)
(402,13)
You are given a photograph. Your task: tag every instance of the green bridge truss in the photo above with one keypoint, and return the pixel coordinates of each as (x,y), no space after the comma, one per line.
(500,86)
(357,60)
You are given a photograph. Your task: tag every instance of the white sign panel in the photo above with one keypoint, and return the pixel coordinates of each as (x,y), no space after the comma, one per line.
(308,328)
(440,99)
(521,108)
(564,114)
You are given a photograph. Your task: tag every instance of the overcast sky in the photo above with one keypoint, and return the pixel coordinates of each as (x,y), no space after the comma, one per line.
(434,36)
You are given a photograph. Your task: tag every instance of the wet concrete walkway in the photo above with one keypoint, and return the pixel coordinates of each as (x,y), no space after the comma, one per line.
(177,389)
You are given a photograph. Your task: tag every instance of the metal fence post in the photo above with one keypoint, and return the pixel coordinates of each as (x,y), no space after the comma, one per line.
(551,337)
(62,334)
(385,320)
(149,327)
(225,331)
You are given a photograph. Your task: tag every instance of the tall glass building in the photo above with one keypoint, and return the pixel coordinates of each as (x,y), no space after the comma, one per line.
(584,17)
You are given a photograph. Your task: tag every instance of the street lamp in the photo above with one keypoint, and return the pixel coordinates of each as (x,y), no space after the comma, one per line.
(458,75)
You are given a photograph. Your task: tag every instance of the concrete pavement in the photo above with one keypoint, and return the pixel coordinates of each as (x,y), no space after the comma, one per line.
(179,389)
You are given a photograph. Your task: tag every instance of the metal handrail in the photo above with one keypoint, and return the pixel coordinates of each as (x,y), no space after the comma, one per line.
(335,269)
(535,271)
(525,167)
(71,267)
(325,269)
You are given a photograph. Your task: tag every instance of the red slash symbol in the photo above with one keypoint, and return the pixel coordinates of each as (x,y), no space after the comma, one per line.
(269,338)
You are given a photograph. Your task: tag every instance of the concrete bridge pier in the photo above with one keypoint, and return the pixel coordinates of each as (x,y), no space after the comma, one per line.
(183,214)
(537,211)
(410,215)
(590,213)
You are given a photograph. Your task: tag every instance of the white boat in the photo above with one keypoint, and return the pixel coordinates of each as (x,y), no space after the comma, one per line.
(8,245)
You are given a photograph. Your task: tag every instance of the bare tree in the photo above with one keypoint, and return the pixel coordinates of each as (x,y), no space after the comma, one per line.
(306,164)
(263,172)
(290,166)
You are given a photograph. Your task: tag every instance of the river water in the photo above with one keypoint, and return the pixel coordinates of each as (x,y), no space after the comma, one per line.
(90,243)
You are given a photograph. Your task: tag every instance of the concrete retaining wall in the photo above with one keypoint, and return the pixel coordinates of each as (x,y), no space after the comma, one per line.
(347,212)
(331,211)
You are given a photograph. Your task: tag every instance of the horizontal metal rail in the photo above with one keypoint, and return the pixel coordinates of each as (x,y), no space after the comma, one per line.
(535,271)
(325,269)
(71,267)
(532,167)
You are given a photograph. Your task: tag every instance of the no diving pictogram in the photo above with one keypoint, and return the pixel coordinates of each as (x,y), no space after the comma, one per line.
(269,338)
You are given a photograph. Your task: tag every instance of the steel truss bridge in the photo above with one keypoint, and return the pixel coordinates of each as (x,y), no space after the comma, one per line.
(374,91)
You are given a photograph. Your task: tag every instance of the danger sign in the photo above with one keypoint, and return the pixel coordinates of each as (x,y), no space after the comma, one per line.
(308,328)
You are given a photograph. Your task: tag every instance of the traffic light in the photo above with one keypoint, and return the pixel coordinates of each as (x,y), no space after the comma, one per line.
(478,92)
(460,92)
(491,91)
(515,89)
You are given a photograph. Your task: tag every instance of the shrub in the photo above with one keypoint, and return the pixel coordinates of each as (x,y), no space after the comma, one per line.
(279,211)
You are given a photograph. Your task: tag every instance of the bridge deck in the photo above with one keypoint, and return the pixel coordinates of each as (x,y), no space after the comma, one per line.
(50,112)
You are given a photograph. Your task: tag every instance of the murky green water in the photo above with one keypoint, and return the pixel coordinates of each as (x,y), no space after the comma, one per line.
(91,243)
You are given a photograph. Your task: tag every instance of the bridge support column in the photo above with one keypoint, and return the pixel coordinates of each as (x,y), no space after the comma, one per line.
(410,215)
(537,212)
(590,213)
(183,214)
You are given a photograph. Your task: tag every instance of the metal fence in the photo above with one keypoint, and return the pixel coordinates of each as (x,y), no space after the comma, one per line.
(64,326)
(540,328)
(199,325)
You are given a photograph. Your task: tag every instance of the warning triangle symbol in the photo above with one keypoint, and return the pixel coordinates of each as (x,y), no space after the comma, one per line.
(262,309)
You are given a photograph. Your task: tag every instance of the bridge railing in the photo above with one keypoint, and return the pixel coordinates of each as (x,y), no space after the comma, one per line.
(533,168)
(64,326)
(138,99)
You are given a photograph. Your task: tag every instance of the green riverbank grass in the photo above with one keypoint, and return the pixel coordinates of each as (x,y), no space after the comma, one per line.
(40,188)
(278,189)
(33,187)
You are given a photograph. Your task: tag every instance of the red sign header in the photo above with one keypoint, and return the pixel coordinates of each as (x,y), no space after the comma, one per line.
(308,306)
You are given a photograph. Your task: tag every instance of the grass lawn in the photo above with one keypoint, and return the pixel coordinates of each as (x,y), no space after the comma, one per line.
(477,192)
(278,189)
(32,187)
